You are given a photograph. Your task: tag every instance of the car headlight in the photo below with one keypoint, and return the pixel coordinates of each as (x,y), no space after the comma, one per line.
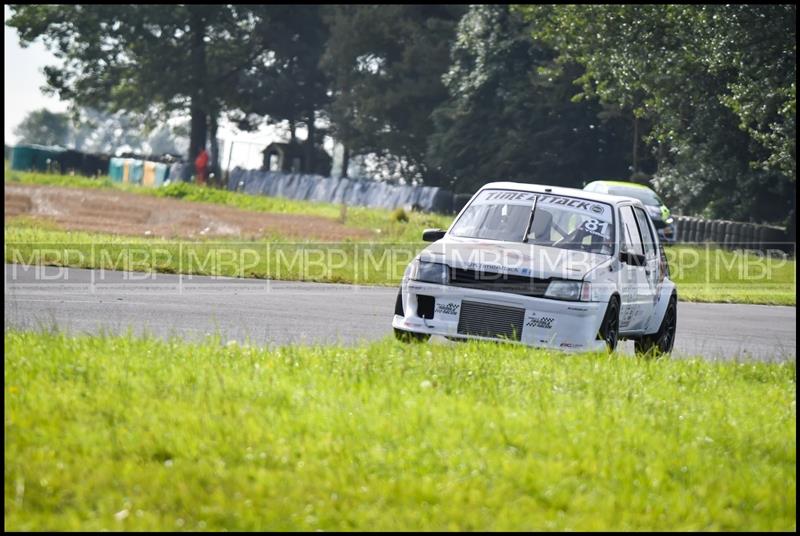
(569,290)
(670,220)
(430,272)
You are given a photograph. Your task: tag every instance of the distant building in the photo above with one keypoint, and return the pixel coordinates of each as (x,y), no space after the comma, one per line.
(291,158)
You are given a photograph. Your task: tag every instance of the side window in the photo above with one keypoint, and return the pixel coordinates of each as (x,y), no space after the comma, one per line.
(647,235)
(631,230)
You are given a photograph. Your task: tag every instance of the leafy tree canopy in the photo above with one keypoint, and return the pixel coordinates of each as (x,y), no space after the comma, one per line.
(505,120)
(717,83)
(153,59)
(386,63)
(44,127)
(93,131)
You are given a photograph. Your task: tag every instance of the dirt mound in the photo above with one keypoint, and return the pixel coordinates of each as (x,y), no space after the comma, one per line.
(124,213)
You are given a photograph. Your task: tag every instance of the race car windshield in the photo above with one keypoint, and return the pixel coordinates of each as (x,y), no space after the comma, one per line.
(561,222)
(648,197)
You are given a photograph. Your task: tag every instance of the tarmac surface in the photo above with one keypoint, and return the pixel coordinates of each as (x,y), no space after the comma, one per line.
(272,313)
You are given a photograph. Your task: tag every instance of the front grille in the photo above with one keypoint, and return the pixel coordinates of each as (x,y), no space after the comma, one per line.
(497,282)
(487,320)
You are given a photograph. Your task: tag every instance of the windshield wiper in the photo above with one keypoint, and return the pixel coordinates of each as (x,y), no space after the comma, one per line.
(530,220)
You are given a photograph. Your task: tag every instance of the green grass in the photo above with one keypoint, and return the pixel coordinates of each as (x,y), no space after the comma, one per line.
(119,433)
(704,275)
(711,274)
(377,263)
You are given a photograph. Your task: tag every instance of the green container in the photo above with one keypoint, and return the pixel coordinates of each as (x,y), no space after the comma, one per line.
(116,169)
(35,158)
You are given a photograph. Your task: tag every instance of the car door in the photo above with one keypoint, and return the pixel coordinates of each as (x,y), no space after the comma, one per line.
(647,293)
(633,278)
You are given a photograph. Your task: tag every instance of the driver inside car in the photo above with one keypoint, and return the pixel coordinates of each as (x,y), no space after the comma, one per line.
(541,228)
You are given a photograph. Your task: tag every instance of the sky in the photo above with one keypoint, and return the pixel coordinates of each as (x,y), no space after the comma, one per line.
(24,77)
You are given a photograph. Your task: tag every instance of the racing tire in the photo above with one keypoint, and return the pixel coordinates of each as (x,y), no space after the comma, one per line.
(410,336)
(662,341)
(401,334)
(609,329)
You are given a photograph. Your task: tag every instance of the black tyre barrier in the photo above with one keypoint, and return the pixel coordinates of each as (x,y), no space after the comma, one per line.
(716,232)
(741,235)
(693,226)
(736,235)
(749,230)
(762,237)
(728,242)
(698,231)
(686,235)
(685,229)
(702,230)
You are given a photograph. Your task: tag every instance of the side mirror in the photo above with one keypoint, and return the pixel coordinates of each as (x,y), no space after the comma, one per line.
(432,235)
(629,257)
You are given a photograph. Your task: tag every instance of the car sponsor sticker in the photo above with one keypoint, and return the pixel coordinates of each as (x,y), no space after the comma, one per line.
(447,309)
(584,206)
(543,322)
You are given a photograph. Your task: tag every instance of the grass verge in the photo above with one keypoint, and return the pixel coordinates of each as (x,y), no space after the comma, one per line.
(120,433)
(702,274)
(376,263)
(710,274)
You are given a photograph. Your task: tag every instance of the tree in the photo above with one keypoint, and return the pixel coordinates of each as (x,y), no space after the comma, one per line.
(101,132)
(716,82)
(93,131)
(290,86)
(505,120)
(386,63)
(44,127)
(152,59)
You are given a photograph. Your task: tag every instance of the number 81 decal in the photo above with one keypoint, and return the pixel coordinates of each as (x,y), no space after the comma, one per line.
(596,227)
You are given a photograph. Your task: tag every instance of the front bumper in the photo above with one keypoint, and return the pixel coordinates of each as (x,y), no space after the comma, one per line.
(565,325)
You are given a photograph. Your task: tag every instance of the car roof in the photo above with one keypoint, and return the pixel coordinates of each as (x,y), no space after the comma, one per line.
(558,190)
(623,183)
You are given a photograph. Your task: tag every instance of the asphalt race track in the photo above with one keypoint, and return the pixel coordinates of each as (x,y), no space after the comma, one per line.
(278,312)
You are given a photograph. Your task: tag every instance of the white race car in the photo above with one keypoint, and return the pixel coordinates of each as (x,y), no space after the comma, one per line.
(544,266)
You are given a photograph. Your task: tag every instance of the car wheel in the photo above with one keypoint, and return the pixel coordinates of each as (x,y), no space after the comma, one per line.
(663,340)
(401,334)
(609,329)
(410,336)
